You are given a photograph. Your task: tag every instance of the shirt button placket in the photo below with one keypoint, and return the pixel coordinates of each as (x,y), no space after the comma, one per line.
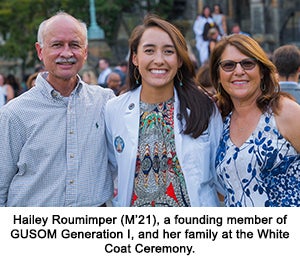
(72,148)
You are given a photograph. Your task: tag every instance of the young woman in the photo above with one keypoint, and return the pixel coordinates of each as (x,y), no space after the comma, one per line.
(164,131)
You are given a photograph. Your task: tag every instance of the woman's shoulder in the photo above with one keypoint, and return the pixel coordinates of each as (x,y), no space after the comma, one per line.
(288,121)
(288,108)
(289,112)
(129,98)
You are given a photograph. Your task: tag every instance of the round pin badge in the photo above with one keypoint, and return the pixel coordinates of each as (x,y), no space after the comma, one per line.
(119,144)
(131,106)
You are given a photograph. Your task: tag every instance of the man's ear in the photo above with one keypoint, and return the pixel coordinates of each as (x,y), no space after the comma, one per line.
(39,50)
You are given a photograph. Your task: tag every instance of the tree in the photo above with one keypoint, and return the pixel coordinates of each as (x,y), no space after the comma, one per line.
(19,21)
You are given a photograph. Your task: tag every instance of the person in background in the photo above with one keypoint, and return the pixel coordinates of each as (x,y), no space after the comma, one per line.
(104,67)
(39,68)
(287,61)
(163,132)
(6,91)
(258,158)
(201,27)
(213,36)
(220,19)
(203,80)
(11,80)
(236,29)
(122,70)
(114,82)
(30,82)
(52,145)
(89,77)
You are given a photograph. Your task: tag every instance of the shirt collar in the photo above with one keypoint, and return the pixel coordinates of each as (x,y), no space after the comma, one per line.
(49,91)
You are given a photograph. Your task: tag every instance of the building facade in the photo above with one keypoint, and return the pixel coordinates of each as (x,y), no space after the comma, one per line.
(270,22)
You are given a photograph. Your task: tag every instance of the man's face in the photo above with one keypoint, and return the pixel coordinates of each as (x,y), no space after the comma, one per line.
(64,49)
(103,65)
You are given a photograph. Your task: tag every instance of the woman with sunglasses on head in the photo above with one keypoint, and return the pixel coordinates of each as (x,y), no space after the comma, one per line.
(258,161)
(163,133)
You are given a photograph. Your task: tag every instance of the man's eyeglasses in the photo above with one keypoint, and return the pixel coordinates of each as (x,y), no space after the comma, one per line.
(230,65)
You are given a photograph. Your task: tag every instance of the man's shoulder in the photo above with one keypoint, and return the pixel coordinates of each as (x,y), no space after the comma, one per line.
(107,71)
(97,91)
(289,85)
(22,101)
(21,108)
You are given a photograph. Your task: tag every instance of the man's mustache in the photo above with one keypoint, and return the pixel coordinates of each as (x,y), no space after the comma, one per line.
(69,60)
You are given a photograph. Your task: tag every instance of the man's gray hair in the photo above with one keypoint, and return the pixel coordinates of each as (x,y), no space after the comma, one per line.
(41,30)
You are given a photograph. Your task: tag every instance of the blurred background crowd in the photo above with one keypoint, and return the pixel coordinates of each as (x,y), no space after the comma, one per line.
(272,23)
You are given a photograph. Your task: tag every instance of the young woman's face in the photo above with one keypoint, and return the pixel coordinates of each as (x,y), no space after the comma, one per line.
(156,59)
(206,12)
(240,83)
(216,9)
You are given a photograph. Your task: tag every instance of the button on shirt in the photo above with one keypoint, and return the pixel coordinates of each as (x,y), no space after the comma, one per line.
(53,149)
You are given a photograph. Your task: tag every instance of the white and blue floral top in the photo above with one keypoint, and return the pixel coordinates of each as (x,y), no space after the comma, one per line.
(262,172)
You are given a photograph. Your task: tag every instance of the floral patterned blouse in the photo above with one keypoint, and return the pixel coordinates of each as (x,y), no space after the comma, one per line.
(262,172)
(159,180)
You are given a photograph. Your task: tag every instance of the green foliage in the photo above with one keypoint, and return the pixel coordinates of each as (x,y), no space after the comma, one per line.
(19,20)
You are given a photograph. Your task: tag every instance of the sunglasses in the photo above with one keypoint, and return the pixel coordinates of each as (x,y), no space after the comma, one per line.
(230,65)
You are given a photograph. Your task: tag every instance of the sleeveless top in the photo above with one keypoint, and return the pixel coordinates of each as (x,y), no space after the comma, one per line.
(159,180)
(218,18)
(264,171)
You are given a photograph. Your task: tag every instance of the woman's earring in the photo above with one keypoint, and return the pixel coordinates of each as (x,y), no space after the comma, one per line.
(136,75)
(262,86)
(180,77)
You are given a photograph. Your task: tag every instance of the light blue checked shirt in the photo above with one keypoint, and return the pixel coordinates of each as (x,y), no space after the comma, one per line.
(53,149)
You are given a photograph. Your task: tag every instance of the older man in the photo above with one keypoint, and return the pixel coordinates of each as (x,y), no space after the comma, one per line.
(52,144)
